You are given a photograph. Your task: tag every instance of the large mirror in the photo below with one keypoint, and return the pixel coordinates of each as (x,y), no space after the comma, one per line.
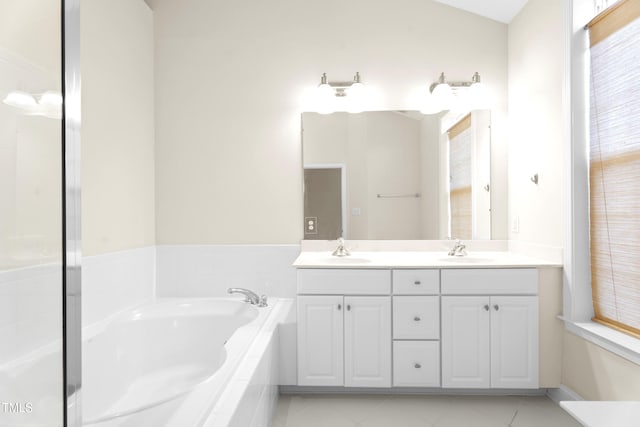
(397,175)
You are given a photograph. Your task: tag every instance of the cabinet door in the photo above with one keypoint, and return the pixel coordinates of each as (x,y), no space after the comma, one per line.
(320,348)
(514,342)
(465,342)
(367,342)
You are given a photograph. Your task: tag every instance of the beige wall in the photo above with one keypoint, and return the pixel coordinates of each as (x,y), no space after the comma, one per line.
(550,327)
(118,186)
(230,77)
(597,374)
(535,122)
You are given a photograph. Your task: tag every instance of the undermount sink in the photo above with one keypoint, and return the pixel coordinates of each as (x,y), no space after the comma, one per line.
(465,260)
(346,260)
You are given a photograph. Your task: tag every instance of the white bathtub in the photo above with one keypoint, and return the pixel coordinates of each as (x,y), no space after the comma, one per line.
(169,363)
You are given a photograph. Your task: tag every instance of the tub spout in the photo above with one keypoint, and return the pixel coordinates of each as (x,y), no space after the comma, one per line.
(250,296)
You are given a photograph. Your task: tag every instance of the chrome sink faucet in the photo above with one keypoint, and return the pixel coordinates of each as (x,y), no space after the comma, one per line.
(341,250)
(250,296)
(459,249)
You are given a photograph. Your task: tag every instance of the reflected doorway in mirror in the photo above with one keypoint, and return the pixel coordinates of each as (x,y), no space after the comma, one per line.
(324,201)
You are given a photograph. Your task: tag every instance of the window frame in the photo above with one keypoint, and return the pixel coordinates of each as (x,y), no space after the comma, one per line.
(577,294)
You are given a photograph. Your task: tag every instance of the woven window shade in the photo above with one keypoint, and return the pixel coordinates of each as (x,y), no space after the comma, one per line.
(460,186)
(615,166)
(461,213)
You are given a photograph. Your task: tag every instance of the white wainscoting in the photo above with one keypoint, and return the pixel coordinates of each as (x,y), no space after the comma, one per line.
(115,281)
(208,270)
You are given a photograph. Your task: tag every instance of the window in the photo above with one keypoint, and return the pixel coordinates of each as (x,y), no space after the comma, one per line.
(614,169)
(460,137)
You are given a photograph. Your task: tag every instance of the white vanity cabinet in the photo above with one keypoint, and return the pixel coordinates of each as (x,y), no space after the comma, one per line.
(431,327)
(344,340)
(489,328)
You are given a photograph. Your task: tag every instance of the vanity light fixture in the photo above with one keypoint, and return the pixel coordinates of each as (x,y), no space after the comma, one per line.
(20,99)
(444,95)
(48,104)
(329,95)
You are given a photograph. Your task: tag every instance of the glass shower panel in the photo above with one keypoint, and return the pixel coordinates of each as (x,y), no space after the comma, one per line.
(31,368)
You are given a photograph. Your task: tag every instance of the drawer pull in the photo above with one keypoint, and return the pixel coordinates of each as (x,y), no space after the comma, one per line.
(417,318)
(486,307)
(417,282)
(348,307)
(496,307)
(417,366)
(339,306)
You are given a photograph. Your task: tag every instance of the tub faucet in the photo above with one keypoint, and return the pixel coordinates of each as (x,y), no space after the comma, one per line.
(341,250)
(250,296)
(459,249)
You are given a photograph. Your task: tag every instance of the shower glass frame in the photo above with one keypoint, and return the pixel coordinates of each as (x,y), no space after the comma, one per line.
(72,255)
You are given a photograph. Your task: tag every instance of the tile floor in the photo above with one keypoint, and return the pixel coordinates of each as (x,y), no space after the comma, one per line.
(419,411)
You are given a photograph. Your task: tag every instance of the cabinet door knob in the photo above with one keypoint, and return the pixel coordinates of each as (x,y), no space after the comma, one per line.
(417,366)
(496,307)
(348,307)
(417,282)
(486,307)
(339,306)
(417,318)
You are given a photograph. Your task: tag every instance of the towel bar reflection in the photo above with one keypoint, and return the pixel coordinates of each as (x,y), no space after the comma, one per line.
(398,196)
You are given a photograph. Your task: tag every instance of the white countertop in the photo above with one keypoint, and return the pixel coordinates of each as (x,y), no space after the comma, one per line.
(604,414)
(418,259)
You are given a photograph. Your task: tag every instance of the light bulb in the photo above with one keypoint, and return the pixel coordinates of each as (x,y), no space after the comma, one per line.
(325,99)
(355,89)
(428,104)
(443,96)
(478,96)
(355,98)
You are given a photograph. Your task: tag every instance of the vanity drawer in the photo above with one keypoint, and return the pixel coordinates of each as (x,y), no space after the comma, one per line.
(416,363)
(344,281)
(478,281)
(416,282)
(416,317)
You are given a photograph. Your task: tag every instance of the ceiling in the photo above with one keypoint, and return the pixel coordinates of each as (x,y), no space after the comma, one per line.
(499,10)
